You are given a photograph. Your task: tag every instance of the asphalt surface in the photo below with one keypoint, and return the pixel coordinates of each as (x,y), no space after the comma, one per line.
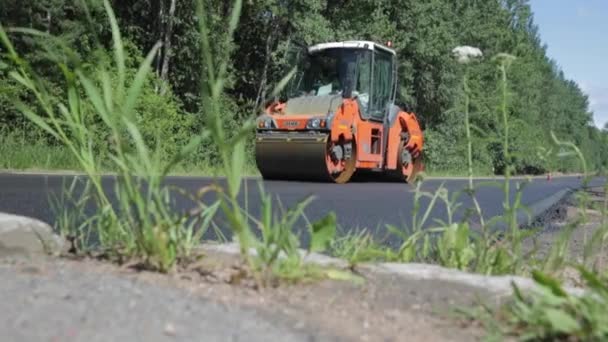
(363,205)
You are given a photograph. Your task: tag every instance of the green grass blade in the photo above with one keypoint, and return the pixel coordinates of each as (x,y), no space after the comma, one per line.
(138,82)
(7,44)
(119,54)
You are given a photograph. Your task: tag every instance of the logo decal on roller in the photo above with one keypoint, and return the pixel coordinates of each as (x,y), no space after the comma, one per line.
(291,123)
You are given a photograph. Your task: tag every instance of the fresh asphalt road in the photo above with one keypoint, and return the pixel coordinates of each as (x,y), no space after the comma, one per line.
(357,205)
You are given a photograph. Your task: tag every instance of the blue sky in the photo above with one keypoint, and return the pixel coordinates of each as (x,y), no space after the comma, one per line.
(576,32)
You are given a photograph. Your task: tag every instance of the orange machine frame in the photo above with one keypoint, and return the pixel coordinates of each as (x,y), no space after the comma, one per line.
(348,125)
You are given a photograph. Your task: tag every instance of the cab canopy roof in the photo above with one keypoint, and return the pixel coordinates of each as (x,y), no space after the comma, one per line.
(351,44)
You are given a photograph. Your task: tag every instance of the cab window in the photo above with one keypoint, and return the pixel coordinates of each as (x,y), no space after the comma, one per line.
(382,84)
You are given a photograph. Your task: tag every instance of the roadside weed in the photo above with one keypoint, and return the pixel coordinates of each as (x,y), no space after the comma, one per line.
(360,247)
(71,219)
(142,224)
(271,235)
(550,313)
(454,248)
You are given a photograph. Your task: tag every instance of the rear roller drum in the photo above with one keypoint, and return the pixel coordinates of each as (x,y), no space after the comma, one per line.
(408,166)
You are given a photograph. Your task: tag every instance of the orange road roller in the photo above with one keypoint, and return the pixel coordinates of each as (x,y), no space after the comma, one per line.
(340,119)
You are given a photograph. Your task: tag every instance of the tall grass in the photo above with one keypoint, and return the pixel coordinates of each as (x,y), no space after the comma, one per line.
(29,153)
(142,223)
(271,234)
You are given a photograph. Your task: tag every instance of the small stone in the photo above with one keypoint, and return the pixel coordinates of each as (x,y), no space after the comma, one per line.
(27,236)
(169,329)
(31,269)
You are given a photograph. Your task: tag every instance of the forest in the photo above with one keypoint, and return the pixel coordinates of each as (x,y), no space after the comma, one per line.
(424,33)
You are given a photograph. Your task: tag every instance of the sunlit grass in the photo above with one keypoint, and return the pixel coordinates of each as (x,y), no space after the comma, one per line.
(20,153)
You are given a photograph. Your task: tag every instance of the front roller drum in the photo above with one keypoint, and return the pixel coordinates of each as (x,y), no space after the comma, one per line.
(302,156)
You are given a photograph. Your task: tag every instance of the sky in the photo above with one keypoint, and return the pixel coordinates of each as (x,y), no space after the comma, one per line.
(576,33)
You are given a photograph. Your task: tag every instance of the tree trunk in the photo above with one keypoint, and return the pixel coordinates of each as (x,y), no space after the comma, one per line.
(161,34)
(164,73)
(263,80)
(48,21)
(262,88)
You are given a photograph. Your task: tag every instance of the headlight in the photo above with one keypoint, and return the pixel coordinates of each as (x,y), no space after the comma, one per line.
(316,123)
(265,123)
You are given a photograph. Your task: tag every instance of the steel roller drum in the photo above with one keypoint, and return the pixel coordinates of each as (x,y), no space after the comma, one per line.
(292,156)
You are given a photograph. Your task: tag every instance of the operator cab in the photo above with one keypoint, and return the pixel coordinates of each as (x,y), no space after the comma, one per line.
(353,69)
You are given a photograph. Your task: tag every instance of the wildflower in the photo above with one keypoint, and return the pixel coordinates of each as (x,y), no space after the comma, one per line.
(465,54)
(504,59)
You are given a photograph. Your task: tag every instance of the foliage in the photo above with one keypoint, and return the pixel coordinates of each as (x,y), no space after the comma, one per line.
(551,313)
(269,32)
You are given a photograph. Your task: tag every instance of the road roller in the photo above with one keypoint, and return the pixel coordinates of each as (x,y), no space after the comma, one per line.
(338,118)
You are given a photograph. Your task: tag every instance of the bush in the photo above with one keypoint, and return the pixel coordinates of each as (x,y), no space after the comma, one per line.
(445,146)
(162,122)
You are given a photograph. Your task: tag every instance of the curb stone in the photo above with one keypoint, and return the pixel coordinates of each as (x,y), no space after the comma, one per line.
(500,286)
(233,248)
(24,236)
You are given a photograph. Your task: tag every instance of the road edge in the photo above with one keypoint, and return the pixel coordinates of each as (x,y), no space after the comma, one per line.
(257,177)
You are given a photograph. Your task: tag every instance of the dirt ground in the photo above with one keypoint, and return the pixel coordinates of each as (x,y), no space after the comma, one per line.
(384,308)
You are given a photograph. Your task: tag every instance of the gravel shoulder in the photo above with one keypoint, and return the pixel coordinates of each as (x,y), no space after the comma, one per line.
(559,219)
(58,299)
